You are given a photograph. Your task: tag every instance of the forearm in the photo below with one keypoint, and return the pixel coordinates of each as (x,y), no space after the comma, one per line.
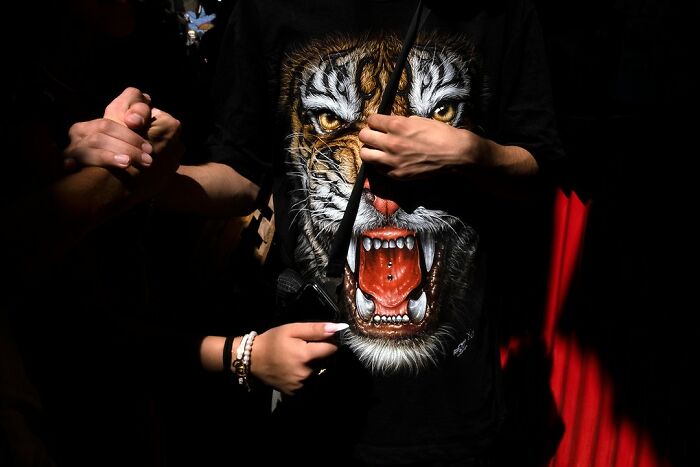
(212,190)
(87,198)
(211,352)
(51,221)
(414,147)
(505,171)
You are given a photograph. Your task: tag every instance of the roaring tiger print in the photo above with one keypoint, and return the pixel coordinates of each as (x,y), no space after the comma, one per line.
(408,277)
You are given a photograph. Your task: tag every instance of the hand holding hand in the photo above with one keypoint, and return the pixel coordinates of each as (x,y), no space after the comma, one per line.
(105,143)
(114,140)
(131,108)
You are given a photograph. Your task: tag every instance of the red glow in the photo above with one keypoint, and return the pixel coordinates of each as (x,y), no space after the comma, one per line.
(594,436)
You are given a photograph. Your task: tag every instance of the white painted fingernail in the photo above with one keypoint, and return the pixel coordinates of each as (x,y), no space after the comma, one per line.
(331,328)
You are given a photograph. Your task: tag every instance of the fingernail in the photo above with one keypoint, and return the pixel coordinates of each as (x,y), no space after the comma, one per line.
(146,159)
(331,328)
(147,148)
(122,159)
(134,119)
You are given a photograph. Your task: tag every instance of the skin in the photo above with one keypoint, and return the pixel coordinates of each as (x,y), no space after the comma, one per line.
(73,203)
(403,148)
(407,148)
(282,357)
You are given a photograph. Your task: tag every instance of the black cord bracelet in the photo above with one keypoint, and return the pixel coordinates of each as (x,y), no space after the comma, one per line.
(228,347)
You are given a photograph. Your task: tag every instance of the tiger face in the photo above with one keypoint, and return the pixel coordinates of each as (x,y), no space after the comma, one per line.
(407,284)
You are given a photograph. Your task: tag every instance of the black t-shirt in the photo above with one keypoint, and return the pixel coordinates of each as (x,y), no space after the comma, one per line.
(417,376)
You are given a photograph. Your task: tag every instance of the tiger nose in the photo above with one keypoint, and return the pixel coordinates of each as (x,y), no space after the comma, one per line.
(386,207)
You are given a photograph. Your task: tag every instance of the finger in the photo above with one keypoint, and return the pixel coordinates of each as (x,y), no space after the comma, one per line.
(403,174)
(114,144)
(375,156)
(100,144)
(321,350)
(372,138)
(380,122)
(158,113)
(99,157)
(119,131)
(117,109)
(290,389)
(80,130)
(137,116)
(159,117)
(106,134)
(163,126)
(315,331)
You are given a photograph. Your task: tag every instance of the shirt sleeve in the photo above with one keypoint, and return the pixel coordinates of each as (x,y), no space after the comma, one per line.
(527,106)
(241,137)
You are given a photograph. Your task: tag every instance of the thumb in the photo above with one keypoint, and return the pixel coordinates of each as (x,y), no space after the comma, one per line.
(137,116)
(315,331)
(118,108)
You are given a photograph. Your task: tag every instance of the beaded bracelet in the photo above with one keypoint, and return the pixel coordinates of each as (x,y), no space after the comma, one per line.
(241,364)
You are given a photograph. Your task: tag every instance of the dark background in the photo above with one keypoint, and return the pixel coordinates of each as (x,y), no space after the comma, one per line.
(626,103)
(627,107)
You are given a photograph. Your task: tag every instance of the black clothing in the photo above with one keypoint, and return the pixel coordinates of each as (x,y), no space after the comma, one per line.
(300,79)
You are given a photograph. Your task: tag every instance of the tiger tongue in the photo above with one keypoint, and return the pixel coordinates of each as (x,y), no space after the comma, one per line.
(389,274)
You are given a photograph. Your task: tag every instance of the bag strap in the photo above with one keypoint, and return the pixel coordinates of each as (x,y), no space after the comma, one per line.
(341,240)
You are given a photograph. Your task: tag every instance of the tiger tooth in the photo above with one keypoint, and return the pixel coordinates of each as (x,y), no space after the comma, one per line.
(365,306)
(367,243)
(410,242)
(428,244)
(352,253)
(416,308)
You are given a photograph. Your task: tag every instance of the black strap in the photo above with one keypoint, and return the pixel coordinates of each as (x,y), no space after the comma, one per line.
(228,356)
(341,240)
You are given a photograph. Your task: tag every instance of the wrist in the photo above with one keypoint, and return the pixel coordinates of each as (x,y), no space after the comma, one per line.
(482,151)
(240,366)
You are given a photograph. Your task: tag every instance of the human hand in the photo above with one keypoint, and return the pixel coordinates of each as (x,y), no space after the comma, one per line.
(164,136)
(416,147)
(283,357)
(105,143)
(131,136)
(131,108)
(114,140)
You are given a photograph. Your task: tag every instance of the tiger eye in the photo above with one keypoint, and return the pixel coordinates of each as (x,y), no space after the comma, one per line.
(329,121)
(444,113)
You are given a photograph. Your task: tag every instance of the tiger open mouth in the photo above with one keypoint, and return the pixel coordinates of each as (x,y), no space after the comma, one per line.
(390,282)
